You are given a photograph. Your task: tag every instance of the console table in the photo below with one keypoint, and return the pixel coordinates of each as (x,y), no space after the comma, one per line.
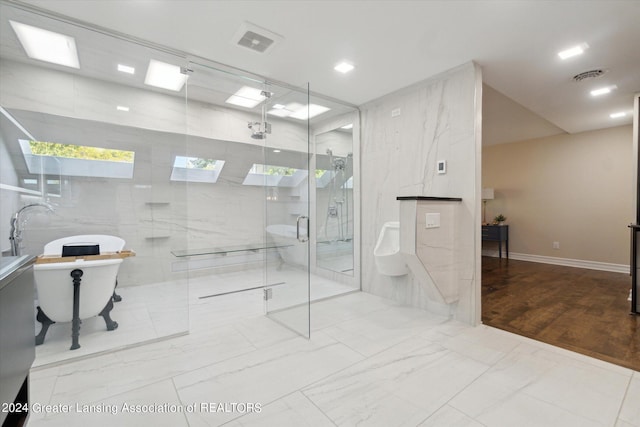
(497,233)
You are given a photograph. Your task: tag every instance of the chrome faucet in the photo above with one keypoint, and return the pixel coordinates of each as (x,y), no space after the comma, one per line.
(17,224)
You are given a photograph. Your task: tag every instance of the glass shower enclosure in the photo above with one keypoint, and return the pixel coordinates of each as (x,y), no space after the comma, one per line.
(258,149)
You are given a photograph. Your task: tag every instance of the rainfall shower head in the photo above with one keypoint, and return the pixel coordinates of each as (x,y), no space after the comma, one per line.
(259,130)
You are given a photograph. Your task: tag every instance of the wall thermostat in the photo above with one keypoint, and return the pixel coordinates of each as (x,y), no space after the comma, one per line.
(442,166)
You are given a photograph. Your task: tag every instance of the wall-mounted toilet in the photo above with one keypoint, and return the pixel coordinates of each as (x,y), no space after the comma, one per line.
(389,260)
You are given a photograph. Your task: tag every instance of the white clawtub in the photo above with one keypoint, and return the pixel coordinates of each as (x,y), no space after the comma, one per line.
(96,282)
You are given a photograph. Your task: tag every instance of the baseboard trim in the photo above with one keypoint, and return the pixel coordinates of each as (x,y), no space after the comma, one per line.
(567,262)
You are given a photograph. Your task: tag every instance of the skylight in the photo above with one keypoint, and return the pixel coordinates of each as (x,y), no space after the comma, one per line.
(165,76)
(46,45)
(247,97)
(196,169)
(298,111)
(76,160)
(274,176)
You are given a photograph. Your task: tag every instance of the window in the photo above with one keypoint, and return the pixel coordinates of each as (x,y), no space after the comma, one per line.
(196,169)
(52,158)
(274,176)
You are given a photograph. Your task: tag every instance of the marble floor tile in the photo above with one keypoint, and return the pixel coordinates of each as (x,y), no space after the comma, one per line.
(450,417)
(292,410)
(401,386)
(153,405)
(263,376)
(369,362)
(630,411)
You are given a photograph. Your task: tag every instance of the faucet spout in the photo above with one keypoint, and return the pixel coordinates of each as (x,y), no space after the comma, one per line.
(15,235)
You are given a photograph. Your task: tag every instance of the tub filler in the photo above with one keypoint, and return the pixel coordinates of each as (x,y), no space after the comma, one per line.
(290,249)
(80,288)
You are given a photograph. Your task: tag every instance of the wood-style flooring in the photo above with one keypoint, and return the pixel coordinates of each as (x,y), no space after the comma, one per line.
(582,310)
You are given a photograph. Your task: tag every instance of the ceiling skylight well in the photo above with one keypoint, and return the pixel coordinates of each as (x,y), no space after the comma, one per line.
(247,97)
(196,169)
(309,112)
(165,76)
(46,45)
(76,160)
(298,111)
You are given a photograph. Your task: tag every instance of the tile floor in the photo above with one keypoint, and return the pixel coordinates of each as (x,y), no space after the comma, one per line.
(369,362)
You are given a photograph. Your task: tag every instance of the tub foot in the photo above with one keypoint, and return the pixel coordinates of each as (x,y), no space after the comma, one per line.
(115,297)
(106,315)
(75,321)
(46,322)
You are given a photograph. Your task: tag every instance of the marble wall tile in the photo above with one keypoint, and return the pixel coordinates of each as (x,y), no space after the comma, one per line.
(437,121)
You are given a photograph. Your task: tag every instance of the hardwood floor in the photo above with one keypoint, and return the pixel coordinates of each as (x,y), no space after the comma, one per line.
(582,310)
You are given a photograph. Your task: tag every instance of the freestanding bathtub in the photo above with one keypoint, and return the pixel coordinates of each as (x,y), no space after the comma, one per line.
(79,289)
(290,249)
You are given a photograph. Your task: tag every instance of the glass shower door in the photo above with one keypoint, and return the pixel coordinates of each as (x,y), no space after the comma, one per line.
(286,169)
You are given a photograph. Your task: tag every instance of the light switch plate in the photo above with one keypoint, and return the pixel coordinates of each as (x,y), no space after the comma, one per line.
(442,167)
(432,220)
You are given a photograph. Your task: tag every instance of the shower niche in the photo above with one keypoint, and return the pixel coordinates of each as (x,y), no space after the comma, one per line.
(336,207)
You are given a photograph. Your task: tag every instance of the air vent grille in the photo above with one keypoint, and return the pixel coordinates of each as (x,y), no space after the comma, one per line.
(591,74)
(255,41)
(255,38)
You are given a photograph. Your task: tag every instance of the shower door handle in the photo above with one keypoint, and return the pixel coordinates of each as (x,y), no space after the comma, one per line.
(303,238)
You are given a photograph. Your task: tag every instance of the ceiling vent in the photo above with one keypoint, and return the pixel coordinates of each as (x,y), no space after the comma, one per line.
(591,74)
(255,38)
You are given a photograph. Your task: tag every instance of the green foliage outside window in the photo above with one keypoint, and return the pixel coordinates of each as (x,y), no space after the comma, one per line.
(198,163)
(80,152)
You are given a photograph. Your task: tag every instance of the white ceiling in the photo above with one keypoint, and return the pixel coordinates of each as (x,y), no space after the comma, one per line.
(396,43)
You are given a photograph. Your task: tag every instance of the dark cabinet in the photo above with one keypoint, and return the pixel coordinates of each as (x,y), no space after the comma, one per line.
(497,233)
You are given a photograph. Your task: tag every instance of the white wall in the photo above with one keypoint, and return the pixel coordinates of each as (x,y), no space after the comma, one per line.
(439,120)
(8,199)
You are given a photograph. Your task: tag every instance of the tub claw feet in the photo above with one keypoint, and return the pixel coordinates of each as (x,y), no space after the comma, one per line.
(106,315)
(46,322)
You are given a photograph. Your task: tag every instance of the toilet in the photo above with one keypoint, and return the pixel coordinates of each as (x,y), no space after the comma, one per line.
(389,261)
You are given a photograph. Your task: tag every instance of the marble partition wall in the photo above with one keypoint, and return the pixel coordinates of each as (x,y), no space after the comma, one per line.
(404,135)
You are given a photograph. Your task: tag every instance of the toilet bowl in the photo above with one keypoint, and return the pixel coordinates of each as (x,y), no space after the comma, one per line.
(389,261)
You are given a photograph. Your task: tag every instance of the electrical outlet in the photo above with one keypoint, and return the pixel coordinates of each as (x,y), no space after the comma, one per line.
(432,220)
(556,245)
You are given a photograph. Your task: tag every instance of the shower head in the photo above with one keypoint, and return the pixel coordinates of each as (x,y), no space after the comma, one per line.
(259,129)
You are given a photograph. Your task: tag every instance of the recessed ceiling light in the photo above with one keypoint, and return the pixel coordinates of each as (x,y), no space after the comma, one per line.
(247,97)
(279,106)
(126,69)
(344,67)
(573,51)
(618,115)
(309,111)
(122,108)
(603,90)
(165,76)
(47,45)
(349,126)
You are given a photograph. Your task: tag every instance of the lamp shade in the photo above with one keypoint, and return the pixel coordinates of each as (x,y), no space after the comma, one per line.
(487,194)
